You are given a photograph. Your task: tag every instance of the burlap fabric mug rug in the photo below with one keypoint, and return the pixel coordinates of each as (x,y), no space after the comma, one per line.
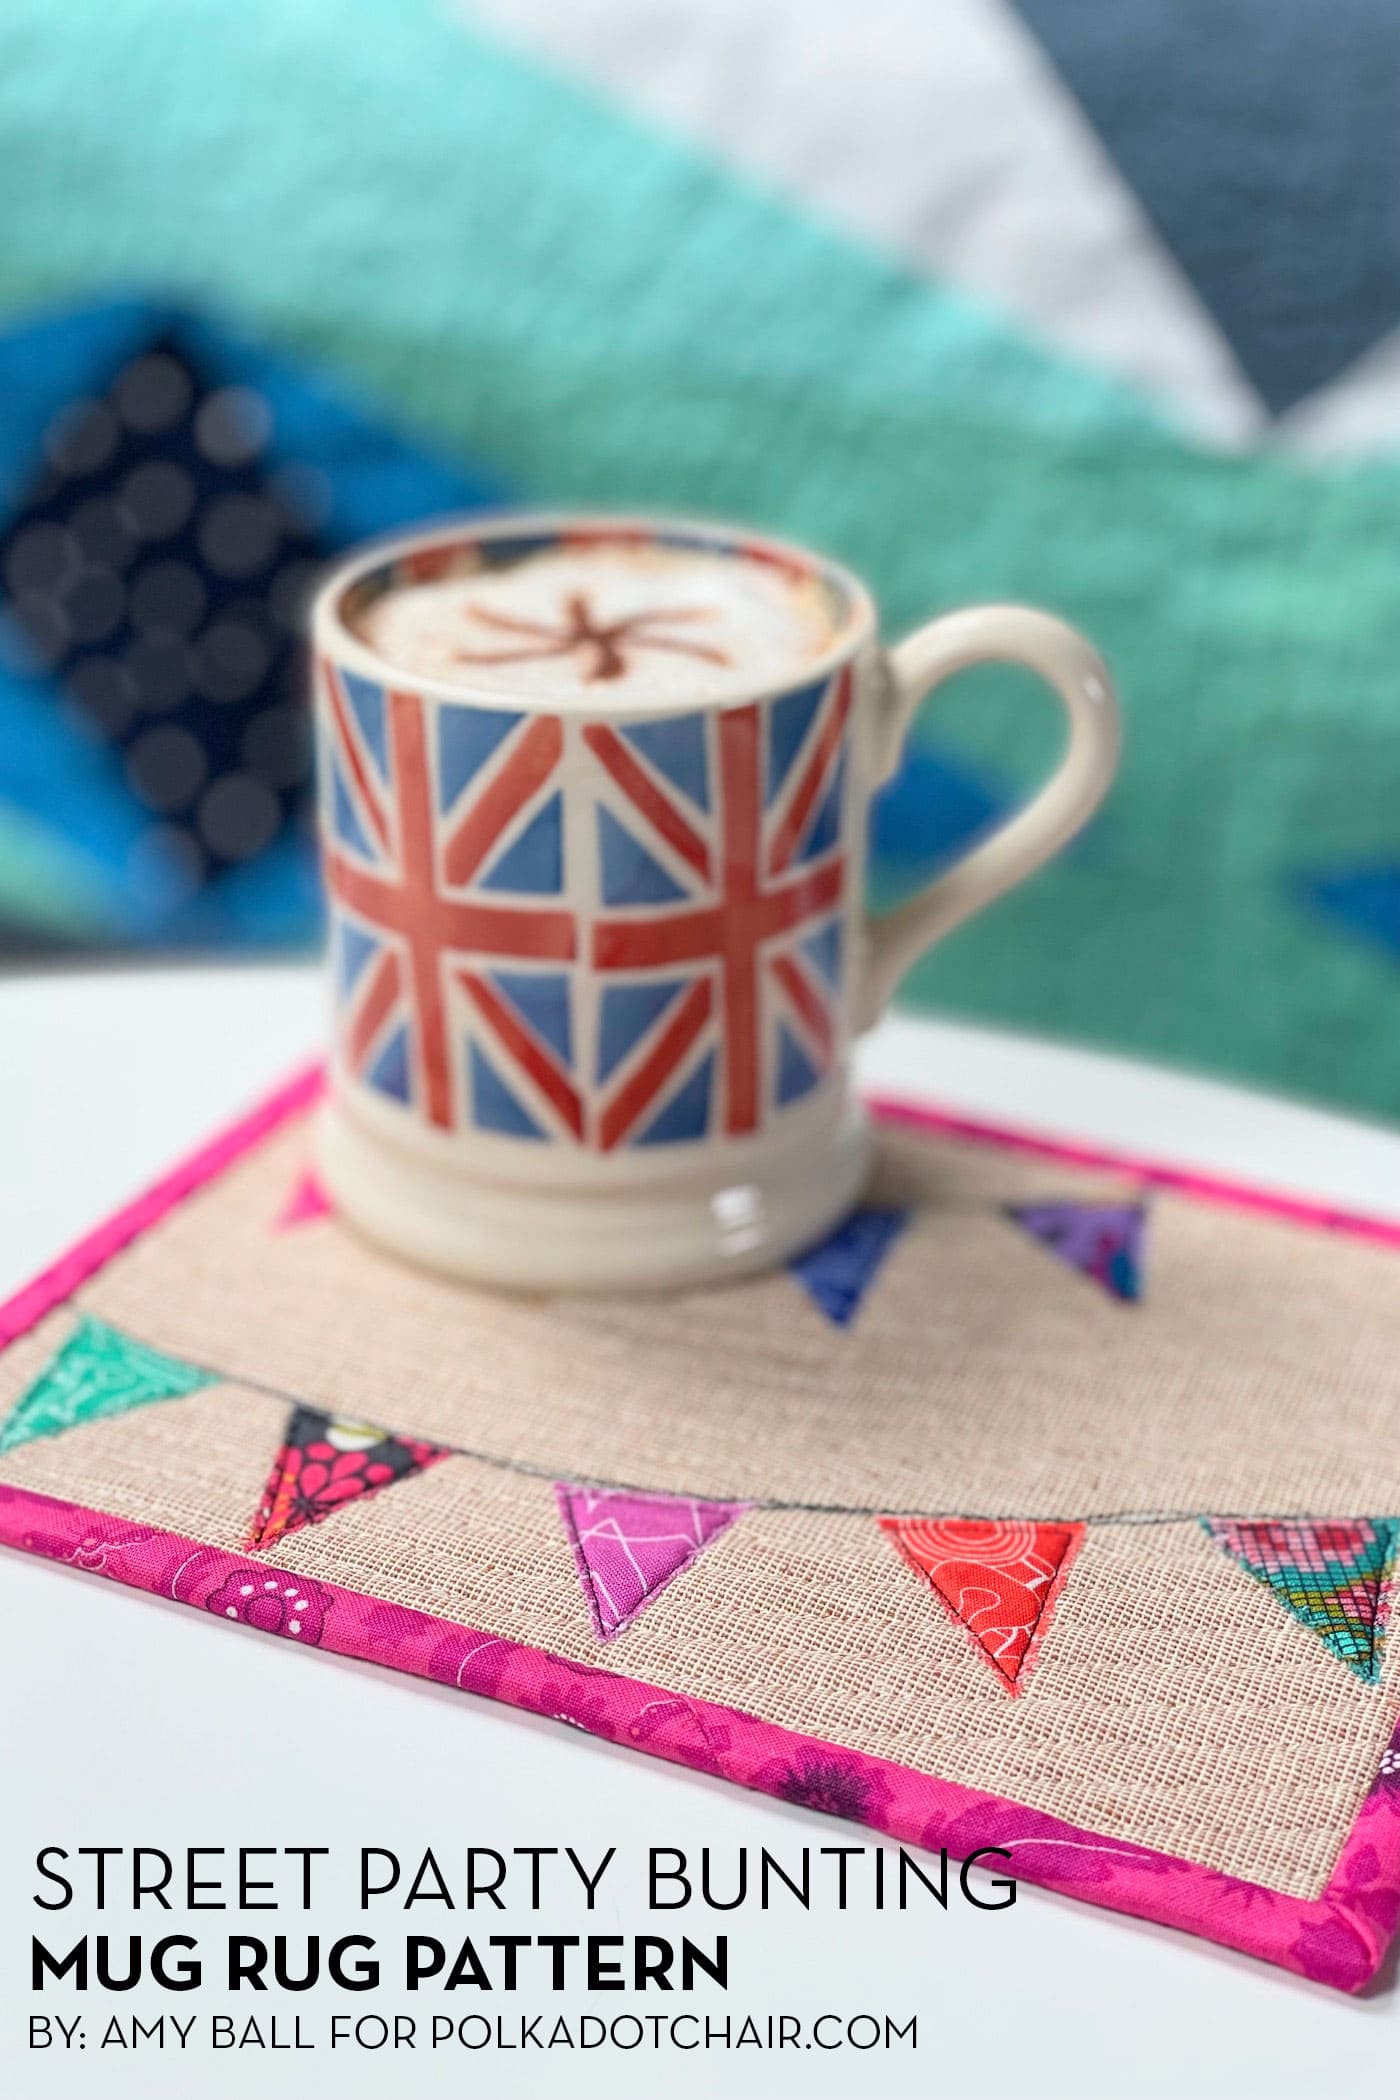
(1051,1505)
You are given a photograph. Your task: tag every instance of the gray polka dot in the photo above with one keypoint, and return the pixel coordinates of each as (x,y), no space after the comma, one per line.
(166,768)
(277,746)
(290,593)
(157,498)
(40,559)
(233,425)
(81,438)
(160,671)
(166,867)
(105,689)
(168,595)
(95,603)
(238,817)
(231,659)
(47,633)
(153,393)
(238,534)
(102,533)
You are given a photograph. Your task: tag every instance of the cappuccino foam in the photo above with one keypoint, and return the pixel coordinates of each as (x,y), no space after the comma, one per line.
(617,619)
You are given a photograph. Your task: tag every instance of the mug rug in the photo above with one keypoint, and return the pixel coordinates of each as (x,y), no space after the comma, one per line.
(1050,1504)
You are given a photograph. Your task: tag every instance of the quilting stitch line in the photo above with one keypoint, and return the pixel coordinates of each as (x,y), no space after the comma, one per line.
(500,1463)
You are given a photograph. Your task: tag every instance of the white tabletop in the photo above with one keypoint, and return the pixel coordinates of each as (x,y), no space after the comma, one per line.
(142,1725)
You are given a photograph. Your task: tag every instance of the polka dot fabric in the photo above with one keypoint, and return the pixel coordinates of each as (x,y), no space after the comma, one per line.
(156,568)
(169,489)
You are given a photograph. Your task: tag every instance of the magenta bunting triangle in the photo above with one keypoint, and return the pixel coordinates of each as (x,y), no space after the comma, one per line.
(1103,1241)
(306,1201)
(627,1547)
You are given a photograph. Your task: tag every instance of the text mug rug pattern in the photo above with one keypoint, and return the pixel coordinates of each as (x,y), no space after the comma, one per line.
(1000,1581)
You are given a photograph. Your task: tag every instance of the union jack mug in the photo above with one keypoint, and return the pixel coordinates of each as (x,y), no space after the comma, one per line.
(593,806)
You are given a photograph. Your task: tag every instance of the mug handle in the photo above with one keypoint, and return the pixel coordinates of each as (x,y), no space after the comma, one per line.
(1076,673)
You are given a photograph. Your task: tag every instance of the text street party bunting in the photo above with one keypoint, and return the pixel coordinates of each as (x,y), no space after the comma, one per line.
(998,1581)
(627,1547)
(1334,1578)
(325,1463)
(1103,1241)
(97,1373)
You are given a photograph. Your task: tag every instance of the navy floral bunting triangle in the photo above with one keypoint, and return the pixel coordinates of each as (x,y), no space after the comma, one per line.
(324,1463)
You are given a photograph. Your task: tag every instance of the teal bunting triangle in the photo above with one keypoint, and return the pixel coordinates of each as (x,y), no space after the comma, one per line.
(99,1372)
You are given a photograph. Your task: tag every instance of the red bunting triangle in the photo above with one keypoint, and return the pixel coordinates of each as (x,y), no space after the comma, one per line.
(999,1581)
(324,1463)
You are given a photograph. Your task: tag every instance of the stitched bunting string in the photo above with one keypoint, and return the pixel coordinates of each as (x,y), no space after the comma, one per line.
(324,1463)
(97,1373)
(1334,1578)
(627,1548)
(1103,1241)
(1000,1582)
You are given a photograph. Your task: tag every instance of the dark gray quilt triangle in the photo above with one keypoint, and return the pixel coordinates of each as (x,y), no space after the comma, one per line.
(1259,138)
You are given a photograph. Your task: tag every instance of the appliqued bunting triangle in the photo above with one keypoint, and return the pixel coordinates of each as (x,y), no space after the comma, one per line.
(306,1201)
(324,1463)
(1333,1577)
(837,1274)
(97,1373)
(627,1547)
(1104,1241)
(1001,1582)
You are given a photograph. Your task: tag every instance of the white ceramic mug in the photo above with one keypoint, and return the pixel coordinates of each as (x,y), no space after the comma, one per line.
(600,953)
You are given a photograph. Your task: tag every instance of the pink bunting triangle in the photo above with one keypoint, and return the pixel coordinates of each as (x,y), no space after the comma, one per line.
(628,1547)
(306,1202)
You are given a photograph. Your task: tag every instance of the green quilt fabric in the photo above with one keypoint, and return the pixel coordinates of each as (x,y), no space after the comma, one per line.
(522,273)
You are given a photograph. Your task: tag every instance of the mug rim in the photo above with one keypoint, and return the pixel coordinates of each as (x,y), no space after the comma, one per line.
(334,637)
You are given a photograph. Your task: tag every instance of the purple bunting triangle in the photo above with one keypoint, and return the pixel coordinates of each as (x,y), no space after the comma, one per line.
(1103,1241)
(628,1547)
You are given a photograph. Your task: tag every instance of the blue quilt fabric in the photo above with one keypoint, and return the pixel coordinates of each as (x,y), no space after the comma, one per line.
(169,491)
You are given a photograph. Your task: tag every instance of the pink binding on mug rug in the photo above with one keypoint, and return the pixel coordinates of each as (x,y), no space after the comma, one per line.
(1339,1938)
